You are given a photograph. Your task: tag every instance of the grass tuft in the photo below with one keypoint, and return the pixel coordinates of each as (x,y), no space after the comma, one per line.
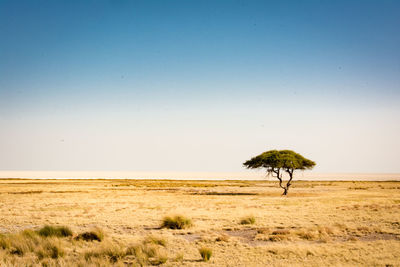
(248,220)
(59,231)
(176,222)
(147,253)
(205,253)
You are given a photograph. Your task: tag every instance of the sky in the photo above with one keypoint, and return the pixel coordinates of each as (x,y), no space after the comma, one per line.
(198,86)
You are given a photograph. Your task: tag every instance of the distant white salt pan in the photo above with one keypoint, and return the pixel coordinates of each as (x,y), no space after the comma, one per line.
(247,175)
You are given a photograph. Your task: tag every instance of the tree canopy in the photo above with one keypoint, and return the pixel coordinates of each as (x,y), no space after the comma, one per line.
(278,161)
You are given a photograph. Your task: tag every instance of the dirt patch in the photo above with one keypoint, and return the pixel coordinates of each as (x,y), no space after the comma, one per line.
(245,235)
(189,236)
(375,237)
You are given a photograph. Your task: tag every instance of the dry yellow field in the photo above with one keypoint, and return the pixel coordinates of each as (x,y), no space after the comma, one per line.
(317,224)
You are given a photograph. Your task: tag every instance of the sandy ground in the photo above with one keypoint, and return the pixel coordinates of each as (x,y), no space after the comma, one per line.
(317,224)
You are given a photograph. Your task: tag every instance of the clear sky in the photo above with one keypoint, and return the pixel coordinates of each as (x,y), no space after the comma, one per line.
(198,85)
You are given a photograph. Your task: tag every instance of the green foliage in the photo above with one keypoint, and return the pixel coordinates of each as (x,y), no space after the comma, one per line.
(278,161)
(176,222)
(281,159)
(59,231)
(205,253)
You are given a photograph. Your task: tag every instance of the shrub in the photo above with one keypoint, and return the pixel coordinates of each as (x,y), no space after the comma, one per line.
(176,222)
(248,220)
(59,231)
(205,253)
(94,235)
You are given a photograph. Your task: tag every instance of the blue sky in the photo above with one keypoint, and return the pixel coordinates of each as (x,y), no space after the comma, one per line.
(198,85)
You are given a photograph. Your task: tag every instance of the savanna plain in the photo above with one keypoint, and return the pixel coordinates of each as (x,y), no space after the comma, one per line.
(198,223)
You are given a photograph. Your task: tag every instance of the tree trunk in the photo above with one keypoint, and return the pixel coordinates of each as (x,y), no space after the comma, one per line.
(285,191)
(288,184)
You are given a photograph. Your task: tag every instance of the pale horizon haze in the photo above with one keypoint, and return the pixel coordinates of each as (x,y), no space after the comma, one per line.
(198,86)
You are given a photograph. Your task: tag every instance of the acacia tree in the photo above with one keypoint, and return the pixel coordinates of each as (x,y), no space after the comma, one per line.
(276,162)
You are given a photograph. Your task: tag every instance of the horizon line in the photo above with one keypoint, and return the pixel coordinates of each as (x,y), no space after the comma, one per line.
(170,175)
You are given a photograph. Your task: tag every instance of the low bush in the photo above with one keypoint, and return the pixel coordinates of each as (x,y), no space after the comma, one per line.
(176,222)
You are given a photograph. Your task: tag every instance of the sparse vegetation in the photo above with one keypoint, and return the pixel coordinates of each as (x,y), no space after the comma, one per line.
(28,241)
(205,253)
(325,225)
(59,231)
(151,251)
(148,252)
(176,222)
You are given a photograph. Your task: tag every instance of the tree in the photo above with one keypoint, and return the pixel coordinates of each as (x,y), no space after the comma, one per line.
(276,162)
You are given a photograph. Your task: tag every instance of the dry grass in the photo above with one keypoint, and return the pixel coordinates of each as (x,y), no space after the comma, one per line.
(176,222)
(317,224)
(30,243)
(155,240)
(149,252)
